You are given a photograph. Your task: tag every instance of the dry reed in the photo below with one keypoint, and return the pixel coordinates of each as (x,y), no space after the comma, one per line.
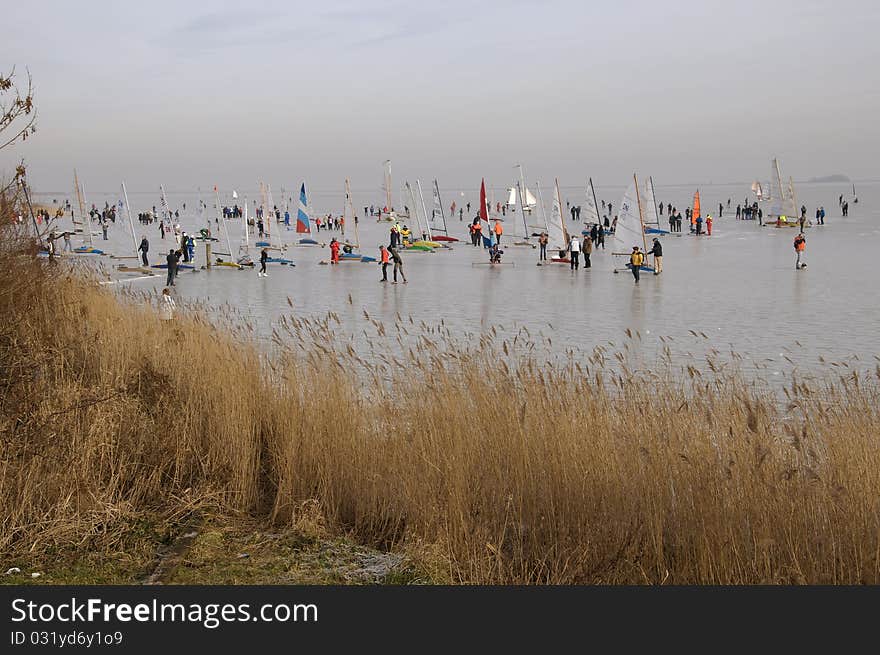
(483,464)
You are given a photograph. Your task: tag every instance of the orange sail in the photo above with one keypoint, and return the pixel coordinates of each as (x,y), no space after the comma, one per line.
(696,212)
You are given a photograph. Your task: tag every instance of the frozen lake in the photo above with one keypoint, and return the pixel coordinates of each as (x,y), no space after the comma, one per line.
(738,287)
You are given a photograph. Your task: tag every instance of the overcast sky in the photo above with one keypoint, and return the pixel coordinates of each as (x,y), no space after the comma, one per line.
(198,93)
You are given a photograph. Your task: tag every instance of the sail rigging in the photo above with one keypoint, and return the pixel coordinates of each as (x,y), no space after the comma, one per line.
(427,231)
(651,217)
(527,201)
(163,201)
(556,229)
(134,240)
(348,214)
(438,211)
(388,187)
(630,230)
(81,201)
(591,215)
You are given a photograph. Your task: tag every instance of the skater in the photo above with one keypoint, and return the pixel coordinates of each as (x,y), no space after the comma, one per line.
(144,248)
(635,262)
(800,245)
(264,257)
(574,250)
(384,260)
(171,260)
(657,251)
(398,266)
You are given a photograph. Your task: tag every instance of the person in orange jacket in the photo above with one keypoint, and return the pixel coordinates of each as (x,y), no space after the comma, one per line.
(498,231)
(478,233)
(800,245)
(709,225)
(384,260)
(334,251)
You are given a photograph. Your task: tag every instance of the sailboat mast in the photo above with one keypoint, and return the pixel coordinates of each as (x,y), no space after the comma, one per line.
(653,198)
(82,202)
(78,199)
(596,204)
(779,182)
(541,206)
(130,220)
(442,213)
(266,221)
(641,214)
(228,242)
(521,210)
(388,186)
(165,205)
(412,199)
(263,205)
(424,211)
(794,200)
(217,198)
(244,217)
(522,181)
(349,205)
(561,214)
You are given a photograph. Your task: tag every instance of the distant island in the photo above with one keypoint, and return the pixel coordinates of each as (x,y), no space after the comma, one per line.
(829,178)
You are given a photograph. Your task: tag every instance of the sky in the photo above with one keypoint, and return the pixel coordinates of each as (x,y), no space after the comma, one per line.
(200,93)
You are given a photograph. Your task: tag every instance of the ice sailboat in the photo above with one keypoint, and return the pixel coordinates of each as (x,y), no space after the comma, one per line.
(630,229)
(437,211)
(783,209)
(303,224)
(351,252)
(649,203)
(557,233)
(87,219)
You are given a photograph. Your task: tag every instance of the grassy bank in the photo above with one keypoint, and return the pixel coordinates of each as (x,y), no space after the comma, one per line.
(477,471)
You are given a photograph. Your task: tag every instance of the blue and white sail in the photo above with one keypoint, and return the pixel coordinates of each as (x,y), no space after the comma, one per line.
(302,212)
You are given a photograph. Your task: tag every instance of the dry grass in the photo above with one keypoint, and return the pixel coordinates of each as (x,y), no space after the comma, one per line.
(482,470)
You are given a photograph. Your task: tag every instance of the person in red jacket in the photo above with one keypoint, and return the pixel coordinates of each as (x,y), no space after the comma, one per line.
(334,251)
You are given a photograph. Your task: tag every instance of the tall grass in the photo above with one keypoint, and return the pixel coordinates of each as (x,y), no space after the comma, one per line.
(482,463)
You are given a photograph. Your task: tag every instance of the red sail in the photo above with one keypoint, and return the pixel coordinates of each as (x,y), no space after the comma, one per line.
(483,213)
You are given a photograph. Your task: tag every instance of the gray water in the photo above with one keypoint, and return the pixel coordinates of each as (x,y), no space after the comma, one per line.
(738,290)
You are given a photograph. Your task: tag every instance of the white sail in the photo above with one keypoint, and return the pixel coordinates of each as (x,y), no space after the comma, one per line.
(134,240)
(348,215)
(511,197)
(629,231)
(530,200)
(438,218)
(556,225)
(758,190)
(783,203)
(591,215)
(421,199)
(387,186)
(649,204)
(777,191)
(410,201)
